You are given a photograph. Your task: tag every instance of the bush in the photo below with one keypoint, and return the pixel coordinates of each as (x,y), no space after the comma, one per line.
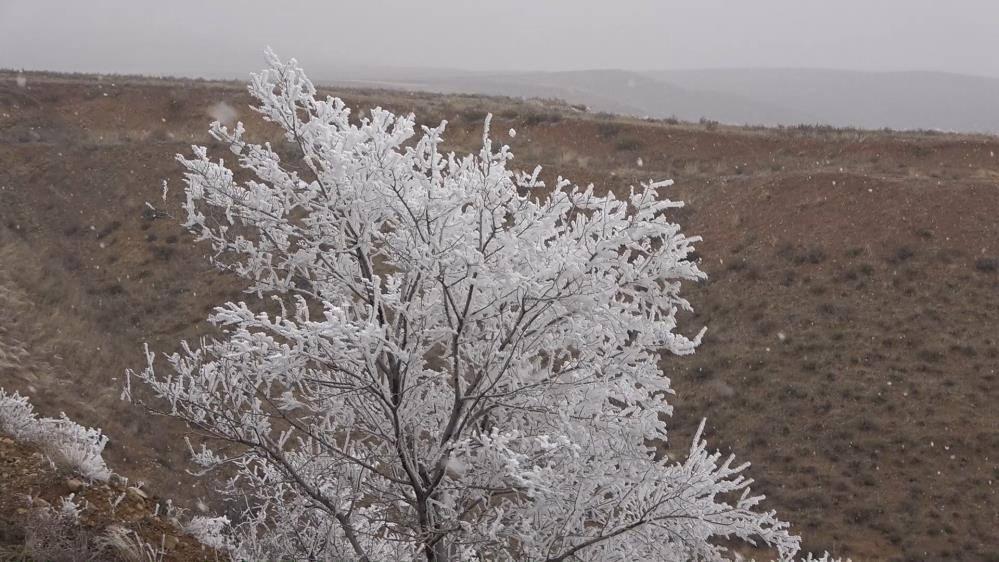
(987,265)
(902,254)
(800,255)
(539,118)
(608,130)
(66,443)
(57,535)
(628,144)
(473,115)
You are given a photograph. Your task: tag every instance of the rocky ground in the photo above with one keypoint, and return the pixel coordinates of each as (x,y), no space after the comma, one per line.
(32,486)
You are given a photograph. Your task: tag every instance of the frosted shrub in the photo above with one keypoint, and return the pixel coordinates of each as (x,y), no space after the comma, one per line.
(17,415)
(54,533)
(65,442)
(209,531)
(450,360)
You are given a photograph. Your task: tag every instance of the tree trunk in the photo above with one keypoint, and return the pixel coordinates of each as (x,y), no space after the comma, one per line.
(435,552)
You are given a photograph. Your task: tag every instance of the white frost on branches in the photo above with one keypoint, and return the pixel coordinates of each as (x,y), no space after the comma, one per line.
(452,361)
(65,442)
(210,531)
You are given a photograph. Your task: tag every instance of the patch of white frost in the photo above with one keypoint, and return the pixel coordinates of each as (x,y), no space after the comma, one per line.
(64,441)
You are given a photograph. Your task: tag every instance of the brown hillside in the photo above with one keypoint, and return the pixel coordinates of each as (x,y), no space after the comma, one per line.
(853,304)
(31,484)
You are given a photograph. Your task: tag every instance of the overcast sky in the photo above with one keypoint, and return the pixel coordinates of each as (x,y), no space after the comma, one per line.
(216,37)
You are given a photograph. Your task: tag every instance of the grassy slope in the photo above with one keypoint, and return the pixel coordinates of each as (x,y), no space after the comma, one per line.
(25,536)
(853,305)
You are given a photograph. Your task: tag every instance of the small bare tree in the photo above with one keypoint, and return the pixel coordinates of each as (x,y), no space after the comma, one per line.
(464,364)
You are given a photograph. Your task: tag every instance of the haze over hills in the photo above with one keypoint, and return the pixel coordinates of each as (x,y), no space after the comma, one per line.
(842,98)
(900,100)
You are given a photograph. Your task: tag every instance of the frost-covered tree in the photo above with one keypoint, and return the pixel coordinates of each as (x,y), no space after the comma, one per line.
(448,360)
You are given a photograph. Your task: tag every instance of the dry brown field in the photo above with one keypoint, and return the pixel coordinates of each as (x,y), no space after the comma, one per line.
(852,306)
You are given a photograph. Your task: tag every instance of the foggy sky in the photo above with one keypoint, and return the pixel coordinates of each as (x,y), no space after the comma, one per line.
(226,38)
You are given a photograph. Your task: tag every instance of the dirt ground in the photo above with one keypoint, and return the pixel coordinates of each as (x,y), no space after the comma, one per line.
(31,485)
(852,307)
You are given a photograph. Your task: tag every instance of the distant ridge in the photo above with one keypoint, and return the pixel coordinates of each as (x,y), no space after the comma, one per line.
(842,98)
(899,100)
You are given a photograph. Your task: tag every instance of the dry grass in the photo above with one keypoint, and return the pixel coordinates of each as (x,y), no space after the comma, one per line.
(108,523)
(853,305)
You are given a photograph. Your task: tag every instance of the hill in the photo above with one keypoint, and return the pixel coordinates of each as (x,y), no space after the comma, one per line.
(873,100)
(614,91)
(852,309)
(898,100)
(117,522)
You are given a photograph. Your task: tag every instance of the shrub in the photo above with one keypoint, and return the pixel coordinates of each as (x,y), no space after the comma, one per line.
(66,443)
(800,255)
(473,115)
(628,144)
(608,130)
(540,118)
(55,535)
(987,265)
(902,254)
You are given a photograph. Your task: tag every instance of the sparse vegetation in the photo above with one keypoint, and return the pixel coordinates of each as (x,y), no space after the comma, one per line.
(628,144)
(65,442)
(61,514)
(901,254)
(58,324)
(608,130)
(987,265)
(536,118)
(799,255)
